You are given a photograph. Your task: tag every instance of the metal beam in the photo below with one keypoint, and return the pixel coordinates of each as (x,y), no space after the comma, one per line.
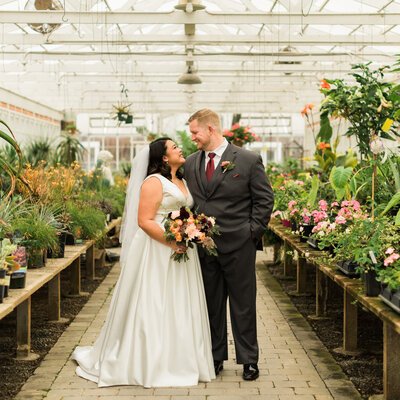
(202,40)
(198,17)
(214,57)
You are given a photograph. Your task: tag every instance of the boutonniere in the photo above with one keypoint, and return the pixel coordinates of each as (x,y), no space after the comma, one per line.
(227,166)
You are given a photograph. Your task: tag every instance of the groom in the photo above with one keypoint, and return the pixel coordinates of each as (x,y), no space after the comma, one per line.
(230,184)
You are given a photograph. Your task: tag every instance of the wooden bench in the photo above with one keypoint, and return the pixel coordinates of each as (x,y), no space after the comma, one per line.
(20,299)
(353,292)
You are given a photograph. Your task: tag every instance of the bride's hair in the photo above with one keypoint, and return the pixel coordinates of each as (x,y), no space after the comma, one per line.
(158,149)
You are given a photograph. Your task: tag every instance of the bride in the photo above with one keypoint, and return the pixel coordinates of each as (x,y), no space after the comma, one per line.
(157,331)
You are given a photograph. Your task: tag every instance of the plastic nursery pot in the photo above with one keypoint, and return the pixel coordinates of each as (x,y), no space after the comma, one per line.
(18,280)
(286,222)
(348,267)
(305,231)
(372,286)
(293,226)
(36,259)
(70,239)
(391,298)
(60,253)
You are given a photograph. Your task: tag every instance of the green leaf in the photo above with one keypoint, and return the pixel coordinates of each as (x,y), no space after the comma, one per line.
(395,172)
(314,190)
(339,177)
(325,132)
(393,201)
(397,220)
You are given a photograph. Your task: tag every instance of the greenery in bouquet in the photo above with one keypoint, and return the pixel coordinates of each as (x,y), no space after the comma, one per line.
(187,228)
(240,135)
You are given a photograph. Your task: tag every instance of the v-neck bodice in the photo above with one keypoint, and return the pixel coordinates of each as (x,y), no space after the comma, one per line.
(173,197)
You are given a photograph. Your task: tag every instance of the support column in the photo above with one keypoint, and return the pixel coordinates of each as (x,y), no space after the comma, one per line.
(90,269)
(287,260)
(76,277)
(391,363)
(24,331)
(54,305)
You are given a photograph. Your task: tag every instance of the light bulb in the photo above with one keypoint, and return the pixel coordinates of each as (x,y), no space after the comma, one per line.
(189,7)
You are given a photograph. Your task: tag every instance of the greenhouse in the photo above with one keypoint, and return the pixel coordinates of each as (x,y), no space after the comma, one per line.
(200,199)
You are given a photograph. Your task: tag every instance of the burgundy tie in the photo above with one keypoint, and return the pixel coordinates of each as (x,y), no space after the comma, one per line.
(210,166)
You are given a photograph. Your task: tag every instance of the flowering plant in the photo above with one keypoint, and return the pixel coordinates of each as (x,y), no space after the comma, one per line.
(391,273)
(7,259)
(227,166)
(240,135)
(187,228)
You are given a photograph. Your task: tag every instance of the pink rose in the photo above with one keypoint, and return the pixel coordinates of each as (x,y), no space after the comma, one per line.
(175,214)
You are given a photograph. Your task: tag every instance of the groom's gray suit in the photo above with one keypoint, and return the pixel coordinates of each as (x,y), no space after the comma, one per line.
(241,200)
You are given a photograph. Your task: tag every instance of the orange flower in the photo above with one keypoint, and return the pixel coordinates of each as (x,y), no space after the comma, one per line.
(325,84)
(307,107)
(178,237)
(322,146)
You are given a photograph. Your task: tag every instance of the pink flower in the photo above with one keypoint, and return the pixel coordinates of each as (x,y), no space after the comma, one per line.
(335,203)
(237,125)
(323,205)
(277,212)
(291,204)
(175,214)
(299,183)
(192,231)
(306,219)
(295,211)
(390,250)
(340,219)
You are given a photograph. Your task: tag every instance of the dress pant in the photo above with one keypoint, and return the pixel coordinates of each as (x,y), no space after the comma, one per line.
(232,276)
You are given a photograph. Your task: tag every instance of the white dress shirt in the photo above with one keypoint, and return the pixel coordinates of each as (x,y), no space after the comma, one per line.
(218,154)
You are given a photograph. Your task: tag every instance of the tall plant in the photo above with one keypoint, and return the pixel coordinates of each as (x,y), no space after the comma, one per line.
(69,150)
(368,105)
(5,165)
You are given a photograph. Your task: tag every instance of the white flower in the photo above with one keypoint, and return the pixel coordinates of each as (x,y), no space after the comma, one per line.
(104,156)
(347,230)
(175,214)
(212,220)
(376,144)
(321,233)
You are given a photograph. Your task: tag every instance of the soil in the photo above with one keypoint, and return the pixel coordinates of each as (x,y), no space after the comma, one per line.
(364,370)
(44,334)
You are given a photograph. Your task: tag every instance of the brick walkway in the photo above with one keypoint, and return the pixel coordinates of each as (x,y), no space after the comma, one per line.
(294,365)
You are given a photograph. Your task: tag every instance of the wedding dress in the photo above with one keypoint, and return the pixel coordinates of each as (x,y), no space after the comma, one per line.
(157,330)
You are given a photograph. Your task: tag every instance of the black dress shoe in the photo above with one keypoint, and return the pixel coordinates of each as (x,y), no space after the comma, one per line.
(218,366)
(250,372)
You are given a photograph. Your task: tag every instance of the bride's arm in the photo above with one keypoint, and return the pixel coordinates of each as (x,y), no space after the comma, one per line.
(149,202)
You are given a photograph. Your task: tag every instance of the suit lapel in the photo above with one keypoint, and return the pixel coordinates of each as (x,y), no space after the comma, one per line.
(218,176)
(198,171)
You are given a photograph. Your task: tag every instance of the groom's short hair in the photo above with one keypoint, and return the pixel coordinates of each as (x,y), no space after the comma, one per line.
(206,117)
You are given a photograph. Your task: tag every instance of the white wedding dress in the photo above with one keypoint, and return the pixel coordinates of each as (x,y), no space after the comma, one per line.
(157,330)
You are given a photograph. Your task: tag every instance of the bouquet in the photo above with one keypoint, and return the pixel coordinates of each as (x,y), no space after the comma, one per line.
(187,228)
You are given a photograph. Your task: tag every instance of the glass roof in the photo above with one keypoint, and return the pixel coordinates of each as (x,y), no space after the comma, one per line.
(263,56)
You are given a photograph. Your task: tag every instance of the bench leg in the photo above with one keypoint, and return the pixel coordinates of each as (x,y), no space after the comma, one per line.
(54,299)
(287,260)
(24,331)
(321,293)
(301,275)
(90,270)
(391,363)
(76,277)
(350,325)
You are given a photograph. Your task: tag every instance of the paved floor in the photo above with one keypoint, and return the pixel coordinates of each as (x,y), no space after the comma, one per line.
(294,365)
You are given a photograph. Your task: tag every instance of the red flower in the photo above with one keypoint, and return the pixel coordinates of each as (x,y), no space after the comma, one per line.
(237,125)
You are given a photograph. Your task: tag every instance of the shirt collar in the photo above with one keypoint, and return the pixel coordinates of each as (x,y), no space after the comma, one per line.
(219,150)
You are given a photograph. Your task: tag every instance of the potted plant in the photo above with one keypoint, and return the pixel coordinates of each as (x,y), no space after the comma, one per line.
(121,113)
(7,266)
(240,135)
(39,228)
(390,277)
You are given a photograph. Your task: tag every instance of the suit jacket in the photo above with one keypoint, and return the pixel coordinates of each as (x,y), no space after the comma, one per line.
(240,199)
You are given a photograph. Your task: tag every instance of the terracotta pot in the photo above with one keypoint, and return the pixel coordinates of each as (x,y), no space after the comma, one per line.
(286,222)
